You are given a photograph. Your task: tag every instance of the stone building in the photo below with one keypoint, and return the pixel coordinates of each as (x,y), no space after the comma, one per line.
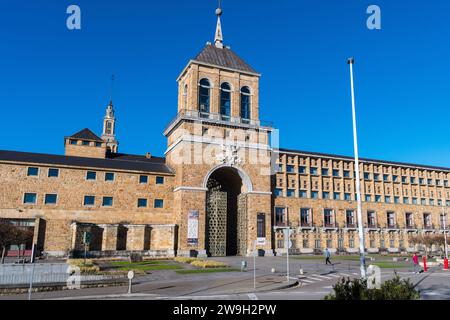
(222,187)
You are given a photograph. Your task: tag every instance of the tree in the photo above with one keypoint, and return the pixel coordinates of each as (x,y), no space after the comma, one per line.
(11,234)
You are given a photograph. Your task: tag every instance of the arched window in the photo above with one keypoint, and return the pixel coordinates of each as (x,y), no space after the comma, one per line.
(245,104)
(204,96)
(185,94)
(225,101)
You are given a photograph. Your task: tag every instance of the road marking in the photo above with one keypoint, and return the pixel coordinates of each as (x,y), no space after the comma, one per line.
(307,281)
(355,273)
(327,287)
(334,275)
(316,279)
(325,277)
(252,296)
(345,274)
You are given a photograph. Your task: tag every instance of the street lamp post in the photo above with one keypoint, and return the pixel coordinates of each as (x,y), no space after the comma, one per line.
(362,253)
(444,217)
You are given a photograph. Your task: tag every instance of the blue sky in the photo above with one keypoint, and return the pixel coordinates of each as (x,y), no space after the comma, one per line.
(54,82)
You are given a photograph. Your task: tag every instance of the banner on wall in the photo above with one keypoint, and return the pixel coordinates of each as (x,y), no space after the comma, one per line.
(192,228)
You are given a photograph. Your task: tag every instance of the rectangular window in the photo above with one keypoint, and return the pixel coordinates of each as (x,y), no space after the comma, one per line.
(303,194)
(280,167)
(414,200)
(430,181)
(325,172)
(413,180)
(159,203)
(438,182)
(98,144)
(73,142)
(261,225)
(385,177)
(29,198)
(395,178)
(159,180)
(431,202)
(314,195)
(290,193)
(328,217)
(346,174)
(325,195)
(335,173)
(317,244)
(391,243)
(341,243)
(33,172)
(377,198)
(368,198)
(376,177)
(142,203)
(336,196)
(278,192)
(406,200)
(91,175)
(329,243)
(53,173)
(290,169)
(85,143)
(313,171)
(382,244)
(305,243)
(89,200)
(302,170)
(403,179)
(372,243)
(305,217)
(143,179)
(107,202)
(347,196)
(50,199)
(409,220)
(387,199)
(391,219)
(396,200)
(371,219)
(421,180)
(423,201)
(351,243)
(109,176)
(280,219)
(350,218)
(366,176)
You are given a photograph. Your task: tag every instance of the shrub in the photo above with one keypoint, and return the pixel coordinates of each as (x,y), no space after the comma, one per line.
(208,264)
(356,289)
(185,259)
(88,267)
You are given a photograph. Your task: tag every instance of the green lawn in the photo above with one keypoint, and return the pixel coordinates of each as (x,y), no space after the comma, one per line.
(389,265)
(145,265)
(128,263)
(190,271)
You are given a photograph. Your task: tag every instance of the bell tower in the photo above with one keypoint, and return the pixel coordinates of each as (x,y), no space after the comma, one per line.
(217,142)
(109,129)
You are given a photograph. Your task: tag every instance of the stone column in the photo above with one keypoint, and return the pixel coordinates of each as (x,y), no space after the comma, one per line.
(136,237)
(109,240)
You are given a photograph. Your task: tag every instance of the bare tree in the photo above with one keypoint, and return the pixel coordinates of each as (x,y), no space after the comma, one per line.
(12,235)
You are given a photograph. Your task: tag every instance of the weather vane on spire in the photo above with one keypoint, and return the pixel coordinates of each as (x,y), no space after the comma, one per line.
(218,39)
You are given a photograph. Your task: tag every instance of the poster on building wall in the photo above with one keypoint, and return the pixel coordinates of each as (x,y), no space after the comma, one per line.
(192,228)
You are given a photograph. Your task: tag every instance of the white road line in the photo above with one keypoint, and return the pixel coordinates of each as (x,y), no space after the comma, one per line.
(316,279)
(327,287)
(334,275)
(324,277)
(252,296)
(345,274)
(307,281)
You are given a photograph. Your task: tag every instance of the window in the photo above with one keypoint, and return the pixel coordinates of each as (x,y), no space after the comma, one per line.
(278,192)
(280,219)
(403,179)
(143,179)
(159,180)
(376,177)
(159,203)
(409,220)
(261,225)
(382,243)
(328,217)
(351,243)
(350,218)
(414,200)
(325,172)
(387,199)
(366,176)
(89,200)
(109,176)
(421,180)
(185,94)
(341,243)
(107,202)
(371,218)
(305,217)
(377,198)
(73,142)
(290,193)
(302,170)
(91,175)
(329,243)
(335,173)
(395,178)
(305,243)
(427,220)
(245,103)
(33,172)
(142,203)
(413,180)
(438,182)
(347,174)
(368,198)
(391,219)
(396,200)
(325,195)
(430,181)
(98,144)
(85,143)
(445,183)
(290,169)
(406,200)
(303,194)
(347,196)
(50,199)
(225,101)
(29,198)
(423,201)
(372,243)
(391,243)
(336,196)
(314,195)
(204,96)
(385,177)
(53,173)
(317,244)
(431,202)
(313,171)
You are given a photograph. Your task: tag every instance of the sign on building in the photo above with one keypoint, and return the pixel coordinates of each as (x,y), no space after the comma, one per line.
(192,228)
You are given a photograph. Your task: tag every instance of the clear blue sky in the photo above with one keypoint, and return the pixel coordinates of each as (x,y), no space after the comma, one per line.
(54,82)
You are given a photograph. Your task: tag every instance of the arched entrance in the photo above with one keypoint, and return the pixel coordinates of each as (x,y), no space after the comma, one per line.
(226,212)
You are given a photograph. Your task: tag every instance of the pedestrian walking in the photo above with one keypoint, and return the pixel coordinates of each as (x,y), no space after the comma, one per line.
(327,256)
(416,263)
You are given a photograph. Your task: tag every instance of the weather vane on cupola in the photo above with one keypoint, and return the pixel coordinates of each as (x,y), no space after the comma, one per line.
(218,39)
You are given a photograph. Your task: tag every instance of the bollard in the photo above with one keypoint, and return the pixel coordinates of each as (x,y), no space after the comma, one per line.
(445,264)
(301,271)
(272,270)
(424,264)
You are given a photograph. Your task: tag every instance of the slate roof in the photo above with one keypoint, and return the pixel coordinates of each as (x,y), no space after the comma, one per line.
(317,154)
(114,162)
(223,58)
(86,134)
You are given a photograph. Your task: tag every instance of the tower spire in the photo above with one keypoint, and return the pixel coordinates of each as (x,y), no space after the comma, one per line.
(109,124)
(218,39)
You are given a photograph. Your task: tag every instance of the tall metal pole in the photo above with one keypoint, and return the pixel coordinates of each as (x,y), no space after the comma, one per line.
(362,252)
(444,217)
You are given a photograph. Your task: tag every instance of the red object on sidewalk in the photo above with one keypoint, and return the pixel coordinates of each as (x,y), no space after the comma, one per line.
(424,264)
(445,264)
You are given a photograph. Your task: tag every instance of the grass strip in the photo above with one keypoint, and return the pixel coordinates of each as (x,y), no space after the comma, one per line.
(196,271)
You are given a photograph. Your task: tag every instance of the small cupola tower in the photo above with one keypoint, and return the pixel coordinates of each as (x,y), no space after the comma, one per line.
(109,129)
